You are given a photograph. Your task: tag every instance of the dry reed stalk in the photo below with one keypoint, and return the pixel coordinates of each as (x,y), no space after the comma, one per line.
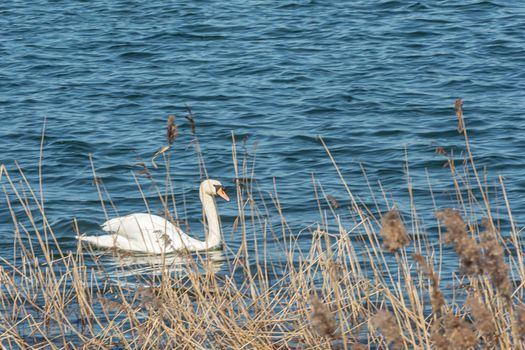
(393,231)
(465,246)
(459,114)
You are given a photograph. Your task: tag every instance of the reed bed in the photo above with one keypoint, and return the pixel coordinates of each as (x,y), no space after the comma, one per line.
(365,281)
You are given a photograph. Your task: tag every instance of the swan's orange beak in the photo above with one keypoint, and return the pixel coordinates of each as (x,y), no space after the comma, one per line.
(223,194)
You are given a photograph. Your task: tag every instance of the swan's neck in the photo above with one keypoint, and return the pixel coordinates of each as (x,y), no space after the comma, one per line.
(213,237)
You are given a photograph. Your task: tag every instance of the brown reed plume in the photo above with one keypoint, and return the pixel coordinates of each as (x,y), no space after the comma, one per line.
(393,231)
(452,332)
(459,114)
(520,321)
(386,323)
(494,260)
(436,298)
(482,316)
(191,120)
(322,318)
(333,201)
(171,130)
(441,150)
(144,170)
(464,245)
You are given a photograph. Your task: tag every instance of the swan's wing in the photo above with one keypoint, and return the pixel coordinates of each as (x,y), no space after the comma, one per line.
(152,231)
(137,227)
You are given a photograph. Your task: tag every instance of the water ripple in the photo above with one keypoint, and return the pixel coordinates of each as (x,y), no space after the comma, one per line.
(376,80)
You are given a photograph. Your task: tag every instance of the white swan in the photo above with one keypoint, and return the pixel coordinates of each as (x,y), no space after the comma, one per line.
(155,235)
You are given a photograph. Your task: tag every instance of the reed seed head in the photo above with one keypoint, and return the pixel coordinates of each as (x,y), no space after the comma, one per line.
(171,133)
(520,320)
(494,261)
(459,114)
(393,231)
(144,170)
(482,316)
(437,298)
(451,332)
(386,323)
(465,246)
(191,120)
(333,201)
(322,318)
(441,150)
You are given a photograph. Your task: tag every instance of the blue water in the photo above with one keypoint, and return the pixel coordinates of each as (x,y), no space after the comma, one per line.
(376,80)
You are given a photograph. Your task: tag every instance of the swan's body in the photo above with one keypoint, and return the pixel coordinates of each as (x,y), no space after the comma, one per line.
(155,235)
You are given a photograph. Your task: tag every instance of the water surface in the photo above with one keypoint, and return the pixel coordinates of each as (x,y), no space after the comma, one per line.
(376,80)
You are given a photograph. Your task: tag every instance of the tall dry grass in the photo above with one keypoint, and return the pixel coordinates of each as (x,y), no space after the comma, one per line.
(371,281)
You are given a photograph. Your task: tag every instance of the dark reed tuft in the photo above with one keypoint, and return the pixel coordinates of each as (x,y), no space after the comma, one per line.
(359,346)
(441,150)
(148,298)
(171,133)
(437,298)
(386,323)
(322,318)
(393,231)
(97,180)
(191,120)
(459,114)
(333,201)
(482,316)
(494,262)
(453,333)
(144,170)
(464,245)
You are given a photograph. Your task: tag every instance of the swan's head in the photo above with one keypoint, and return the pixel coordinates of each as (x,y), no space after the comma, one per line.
(213,188)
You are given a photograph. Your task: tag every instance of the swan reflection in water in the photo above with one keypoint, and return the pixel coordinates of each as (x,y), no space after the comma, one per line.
(146,266)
